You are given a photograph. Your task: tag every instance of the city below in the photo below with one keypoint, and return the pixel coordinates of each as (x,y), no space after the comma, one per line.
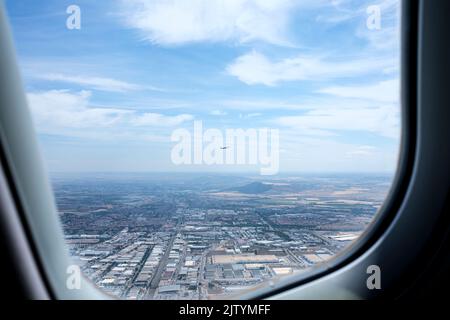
(209,236)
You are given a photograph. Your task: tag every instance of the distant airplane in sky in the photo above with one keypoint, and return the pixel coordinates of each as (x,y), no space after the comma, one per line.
(224,148)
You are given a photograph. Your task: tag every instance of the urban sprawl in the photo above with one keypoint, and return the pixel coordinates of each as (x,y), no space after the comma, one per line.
(211,236)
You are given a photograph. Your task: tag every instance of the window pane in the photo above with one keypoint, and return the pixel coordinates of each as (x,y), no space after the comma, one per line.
(200,149)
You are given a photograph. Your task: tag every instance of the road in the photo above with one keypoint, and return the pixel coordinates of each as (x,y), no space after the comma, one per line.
(162,264)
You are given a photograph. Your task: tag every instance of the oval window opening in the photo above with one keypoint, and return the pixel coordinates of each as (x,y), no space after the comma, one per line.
(199,150)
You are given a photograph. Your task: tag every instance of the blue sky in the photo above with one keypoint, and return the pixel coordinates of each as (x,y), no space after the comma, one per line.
(108,96)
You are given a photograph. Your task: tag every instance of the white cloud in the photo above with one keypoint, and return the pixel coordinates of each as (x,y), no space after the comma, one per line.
(384,91)
(362,151)
(255,68)
(250,115)
(323,98)
(322,154)
(66,113)
(159,120)
(385,39)
(61,108)
(383,121)
(260,104)
(345,10)
(178,22)
(97,83)
(218,113)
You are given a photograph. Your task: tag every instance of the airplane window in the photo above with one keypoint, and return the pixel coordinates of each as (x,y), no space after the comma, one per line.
(201,149)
